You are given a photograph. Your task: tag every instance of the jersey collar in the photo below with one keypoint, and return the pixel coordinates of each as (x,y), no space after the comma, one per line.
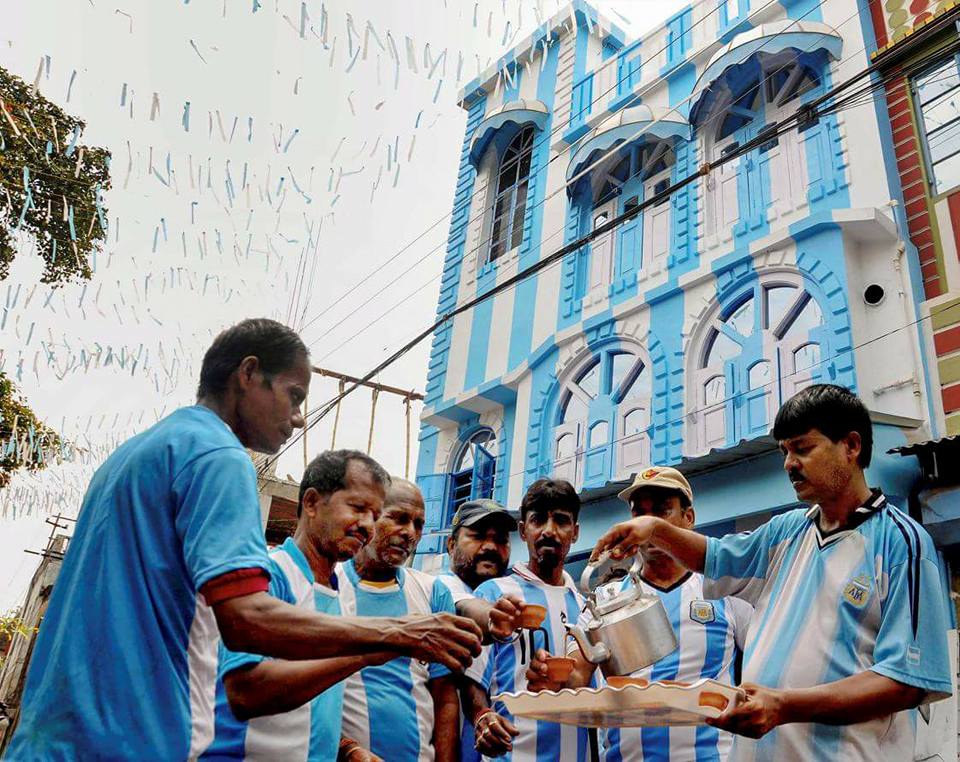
(293,550)
(875,503)
(351,570)
(523,571)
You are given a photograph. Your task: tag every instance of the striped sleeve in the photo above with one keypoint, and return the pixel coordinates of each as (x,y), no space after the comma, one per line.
(737,564)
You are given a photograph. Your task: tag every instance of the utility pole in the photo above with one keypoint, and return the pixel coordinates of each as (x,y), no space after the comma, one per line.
(408,396)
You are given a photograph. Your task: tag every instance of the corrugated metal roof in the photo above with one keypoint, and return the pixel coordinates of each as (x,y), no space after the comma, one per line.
(930,444)
(725,456)
(690,466)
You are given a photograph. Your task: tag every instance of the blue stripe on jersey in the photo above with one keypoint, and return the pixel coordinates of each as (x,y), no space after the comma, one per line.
(389,688)
(612,743)
(548,737)
(654,739)
(230,733)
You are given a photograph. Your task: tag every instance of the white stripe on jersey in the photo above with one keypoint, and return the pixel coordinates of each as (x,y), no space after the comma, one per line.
(457,587)
(202,648)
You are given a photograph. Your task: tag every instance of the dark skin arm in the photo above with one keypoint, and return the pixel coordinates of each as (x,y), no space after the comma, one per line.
(262,624)
(277,686)
(624,539)
(494,734)
(446,718)
(858,698)
(494,619)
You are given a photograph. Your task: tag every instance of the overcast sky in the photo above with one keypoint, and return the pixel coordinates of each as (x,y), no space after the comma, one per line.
(349,162)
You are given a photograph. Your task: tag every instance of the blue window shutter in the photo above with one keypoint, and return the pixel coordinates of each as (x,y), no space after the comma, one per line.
(582,100)
(679,36)
(433,487)
(628,70)
(484,471)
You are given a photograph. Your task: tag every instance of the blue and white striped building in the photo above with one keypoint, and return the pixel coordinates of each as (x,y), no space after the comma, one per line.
(674,338)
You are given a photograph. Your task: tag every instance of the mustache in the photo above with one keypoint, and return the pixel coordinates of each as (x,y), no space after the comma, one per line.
(549,543)
(493,558)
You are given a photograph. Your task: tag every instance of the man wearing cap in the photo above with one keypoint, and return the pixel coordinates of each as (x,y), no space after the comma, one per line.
(710,633)
(479,550)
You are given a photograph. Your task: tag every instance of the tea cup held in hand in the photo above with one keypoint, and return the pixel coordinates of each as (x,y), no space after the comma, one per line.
(559,668)
(532,616)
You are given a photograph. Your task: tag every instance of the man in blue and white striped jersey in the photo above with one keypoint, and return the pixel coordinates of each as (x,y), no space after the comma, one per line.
(710,633)
(479,550)
(549,524)
(850,630)
(404,710)
(272,709)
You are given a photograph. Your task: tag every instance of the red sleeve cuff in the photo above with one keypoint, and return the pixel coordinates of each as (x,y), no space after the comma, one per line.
(235,584)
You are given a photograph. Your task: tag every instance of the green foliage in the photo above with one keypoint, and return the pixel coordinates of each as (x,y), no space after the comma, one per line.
(11,625)
(25,442)
(50,184)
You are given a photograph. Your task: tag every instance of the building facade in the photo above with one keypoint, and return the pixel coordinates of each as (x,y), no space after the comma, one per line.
(674,337)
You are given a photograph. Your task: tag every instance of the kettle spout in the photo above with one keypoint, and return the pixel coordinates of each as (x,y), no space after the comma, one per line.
(595,653)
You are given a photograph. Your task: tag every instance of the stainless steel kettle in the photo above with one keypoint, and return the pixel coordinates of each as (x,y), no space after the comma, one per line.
(629,629)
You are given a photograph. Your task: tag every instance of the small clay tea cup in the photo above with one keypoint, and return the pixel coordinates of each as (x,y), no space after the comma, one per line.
(532,616)
(559,668)
(615,681)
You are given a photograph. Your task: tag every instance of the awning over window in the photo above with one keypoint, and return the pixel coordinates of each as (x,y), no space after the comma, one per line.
(520,113)
(637,123)
(766,39)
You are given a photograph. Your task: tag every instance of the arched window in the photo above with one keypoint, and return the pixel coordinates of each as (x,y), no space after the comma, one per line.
(510,203)
(772,179)
(757,352)
(625,180)
(473,471)
(603,418)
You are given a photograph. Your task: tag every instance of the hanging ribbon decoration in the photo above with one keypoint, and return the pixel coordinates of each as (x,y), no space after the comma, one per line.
(406,439)
(336,417)
(373,415)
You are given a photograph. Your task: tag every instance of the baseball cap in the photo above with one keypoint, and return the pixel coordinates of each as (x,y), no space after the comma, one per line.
(474,511)
(662,477)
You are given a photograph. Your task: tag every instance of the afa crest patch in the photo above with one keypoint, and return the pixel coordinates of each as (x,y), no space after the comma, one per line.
(702,612)
(857,591)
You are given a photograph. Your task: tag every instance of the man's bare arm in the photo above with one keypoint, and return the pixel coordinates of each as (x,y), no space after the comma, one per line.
(261,624)
(494,735)
(446,718)
(626,538)
(277,686)
(498,619)
(858,698)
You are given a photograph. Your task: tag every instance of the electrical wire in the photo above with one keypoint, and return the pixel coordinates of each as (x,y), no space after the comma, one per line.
(537,143)
(804,111)
(484,242)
